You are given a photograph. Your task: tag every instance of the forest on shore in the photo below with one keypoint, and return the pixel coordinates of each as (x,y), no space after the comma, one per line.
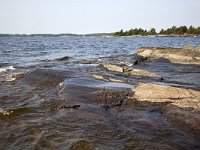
(173,31)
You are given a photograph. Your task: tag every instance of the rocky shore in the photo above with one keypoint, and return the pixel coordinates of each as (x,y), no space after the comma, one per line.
(166,84)
(150,100)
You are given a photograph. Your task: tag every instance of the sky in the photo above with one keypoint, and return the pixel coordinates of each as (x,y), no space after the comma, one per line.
(94,16)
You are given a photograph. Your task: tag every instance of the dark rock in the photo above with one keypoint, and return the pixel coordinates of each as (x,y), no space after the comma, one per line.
(93,91)
(182,106)
(65,58)
(139,59)
(43,78)
(54,108)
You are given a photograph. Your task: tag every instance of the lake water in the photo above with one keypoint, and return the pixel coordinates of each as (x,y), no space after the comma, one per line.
(33,50)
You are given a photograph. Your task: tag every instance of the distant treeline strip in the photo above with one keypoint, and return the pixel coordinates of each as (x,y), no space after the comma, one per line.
(56,35)
(182,30)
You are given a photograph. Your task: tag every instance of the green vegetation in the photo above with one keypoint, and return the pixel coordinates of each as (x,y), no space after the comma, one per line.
(173,31)
(182,30)
(136,31)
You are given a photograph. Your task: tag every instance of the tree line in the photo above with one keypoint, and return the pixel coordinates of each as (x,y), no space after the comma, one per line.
(182,30)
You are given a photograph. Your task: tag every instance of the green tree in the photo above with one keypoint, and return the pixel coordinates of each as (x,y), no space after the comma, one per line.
(182,30)
(162,31)
(140,31)
(152,31)
(135,31)
(121,32)
(173,30)
(191,30)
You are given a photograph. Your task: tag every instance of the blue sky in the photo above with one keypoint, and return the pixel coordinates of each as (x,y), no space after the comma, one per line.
(94,16)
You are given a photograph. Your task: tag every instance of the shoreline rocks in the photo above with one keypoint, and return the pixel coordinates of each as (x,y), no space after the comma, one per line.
(109,107)
(159,93)
(175,55)
(179,106)
(140,72)
(129,71)
(114,68)
(106,78)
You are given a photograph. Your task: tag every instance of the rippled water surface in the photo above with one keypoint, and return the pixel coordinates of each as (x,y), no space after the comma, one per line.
(50,100)
(32,50)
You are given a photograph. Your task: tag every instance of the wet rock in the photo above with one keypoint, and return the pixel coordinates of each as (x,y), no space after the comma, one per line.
(175,73)
(91,91)
(43,78)
(187,120)
(139,59)
(128,71)
(95,84)
(88,61)
(81,145)
(145,145)
(175,55)
(106,78)
(65,58)
(111,67)
(140,72)
(54,108)
(180,106)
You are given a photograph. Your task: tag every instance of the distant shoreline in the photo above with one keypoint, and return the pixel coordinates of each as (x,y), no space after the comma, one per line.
(158,35)
(58,35)
(173,31)
(182,31)
(109,35)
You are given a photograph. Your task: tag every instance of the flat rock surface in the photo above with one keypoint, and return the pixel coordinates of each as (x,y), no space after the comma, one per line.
(175,55)
(158,93)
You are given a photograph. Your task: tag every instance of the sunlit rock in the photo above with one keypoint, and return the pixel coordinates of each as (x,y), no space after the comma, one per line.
(175,55)
(113,68)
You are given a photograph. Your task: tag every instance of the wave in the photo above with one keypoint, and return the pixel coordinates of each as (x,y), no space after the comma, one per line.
(6,68)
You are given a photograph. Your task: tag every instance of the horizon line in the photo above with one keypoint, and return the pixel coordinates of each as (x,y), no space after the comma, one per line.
(56,33)
(82,34)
